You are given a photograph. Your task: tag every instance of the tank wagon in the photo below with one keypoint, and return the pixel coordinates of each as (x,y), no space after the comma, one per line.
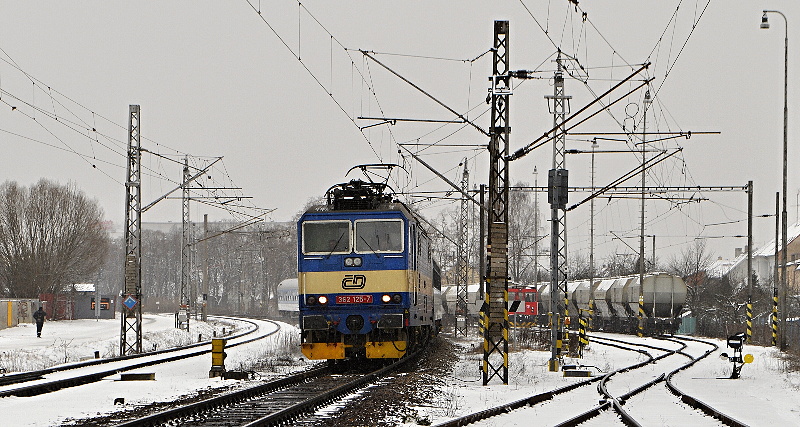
(616,302)
(366,276)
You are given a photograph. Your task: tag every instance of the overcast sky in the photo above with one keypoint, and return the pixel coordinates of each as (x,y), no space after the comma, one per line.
(219,79)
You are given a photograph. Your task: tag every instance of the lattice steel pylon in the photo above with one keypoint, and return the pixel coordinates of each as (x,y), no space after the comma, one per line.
(185,248)
(495,336)
(557,197)
(130,337)
(462,269)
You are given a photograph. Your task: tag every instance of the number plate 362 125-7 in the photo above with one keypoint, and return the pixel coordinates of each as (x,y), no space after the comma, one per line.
(353,299)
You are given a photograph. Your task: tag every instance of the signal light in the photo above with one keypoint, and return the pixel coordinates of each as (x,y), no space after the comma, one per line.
(311,300)
(322,299)
(397,298)
(386,298)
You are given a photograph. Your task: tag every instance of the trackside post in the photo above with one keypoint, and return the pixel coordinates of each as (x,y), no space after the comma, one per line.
(217,357)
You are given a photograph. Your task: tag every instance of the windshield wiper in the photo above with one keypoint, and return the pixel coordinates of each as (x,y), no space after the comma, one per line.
(335,245)
(368,245)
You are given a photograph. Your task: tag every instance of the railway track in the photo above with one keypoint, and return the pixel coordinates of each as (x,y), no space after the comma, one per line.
(278,402)
(617,388)
(84,372)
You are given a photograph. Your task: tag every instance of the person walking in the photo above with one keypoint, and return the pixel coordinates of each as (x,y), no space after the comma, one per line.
(39,316)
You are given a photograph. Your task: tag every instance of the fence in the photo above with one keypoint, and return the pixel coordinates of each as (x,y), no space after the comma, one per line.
(16,311)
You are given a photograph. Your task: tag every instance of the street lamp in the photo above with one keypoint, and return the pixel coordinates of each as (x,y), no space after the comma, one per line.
(765,25)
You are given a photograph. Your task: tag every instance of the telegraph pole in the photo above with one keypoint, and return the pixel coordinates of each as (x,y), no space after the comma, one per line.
(495,338)
(130,337)
(557,197)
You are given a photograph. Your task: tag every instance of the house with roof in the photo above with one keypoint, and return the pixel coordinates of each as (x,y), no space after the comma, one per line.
(78,301)
(763,261)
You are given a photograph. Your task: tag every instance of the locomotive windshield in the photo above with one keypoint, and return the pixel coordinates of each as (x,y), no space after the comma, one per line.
(326,237)
(379,236)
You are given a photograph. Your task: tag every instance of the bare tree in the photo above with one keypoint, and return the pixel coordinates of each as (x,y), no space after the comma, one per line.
(692,265)
(50,235)
(521,216)
(619,265)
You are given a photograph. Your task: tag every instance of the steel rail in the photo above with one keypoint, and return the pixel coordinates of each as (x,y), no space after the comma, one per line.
(543,397)
(205,408)
(693,401)
(287,415)
(226,399)
(51,386)
(21,377)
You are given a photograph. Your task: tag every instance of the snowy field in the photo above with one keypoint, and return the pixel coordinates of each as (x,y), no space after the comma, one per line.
(67,341)
(173,380)
(765,395)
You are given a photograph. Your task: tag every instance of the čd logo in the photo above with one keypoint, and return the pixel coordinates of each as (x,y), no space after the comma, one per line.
(354,281)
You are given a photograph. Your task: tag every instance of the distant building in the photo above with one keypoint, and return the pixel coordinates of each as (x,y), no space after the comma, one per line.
(77,301)
(763,261)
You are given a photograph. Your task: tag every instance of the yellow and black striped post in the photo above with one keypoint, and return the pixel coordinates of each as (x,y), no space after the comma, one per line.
(583,339)
(775,317)
(566,323)
(749,330)
(640,333)
(481,322)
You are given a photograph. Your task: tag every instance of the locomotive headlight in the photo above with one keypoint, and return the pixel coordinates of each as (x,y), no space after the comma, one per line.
(397,298)
(386,298)
(352,262)
(311,300)
(322,299)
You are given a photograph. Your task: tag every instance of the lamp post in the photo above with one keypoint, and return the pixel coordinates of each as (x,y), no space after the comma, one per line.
(765,25)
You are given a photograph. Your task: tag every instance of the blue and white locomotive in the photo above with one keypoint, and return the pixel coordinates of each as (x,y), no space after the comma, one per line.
(365,276)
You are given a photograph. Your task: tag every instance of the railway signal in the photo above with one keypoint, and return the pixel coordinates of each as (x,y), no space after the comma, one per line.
(736,342)
(217,357)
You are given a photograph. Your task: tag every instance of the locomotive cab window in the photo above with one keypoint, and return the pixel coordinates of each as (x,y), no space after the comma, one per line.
(326,237)
(379,236)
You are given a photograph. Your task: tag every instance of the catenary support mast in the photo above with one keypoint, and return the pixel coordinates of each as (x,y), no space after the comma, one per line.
(184,312)
(557,197)
(495,337)
(130,337)
(462,316)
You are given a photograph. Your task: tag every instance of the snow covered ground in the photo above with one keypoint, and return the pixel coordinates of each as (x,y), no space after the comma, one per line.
(172,380)
(67,341)
(764,395)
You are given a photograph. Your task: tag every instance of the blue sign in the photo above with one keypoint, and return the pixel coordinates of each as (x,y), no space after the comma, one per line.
(130,302)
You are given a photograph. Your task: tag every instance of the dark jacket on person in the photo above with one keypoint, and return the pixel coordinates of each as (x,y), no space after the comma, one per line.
(39,316)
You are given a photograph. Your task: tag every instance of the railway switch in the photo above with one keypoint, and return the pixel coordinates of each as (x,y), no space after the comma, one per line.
(217,357)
